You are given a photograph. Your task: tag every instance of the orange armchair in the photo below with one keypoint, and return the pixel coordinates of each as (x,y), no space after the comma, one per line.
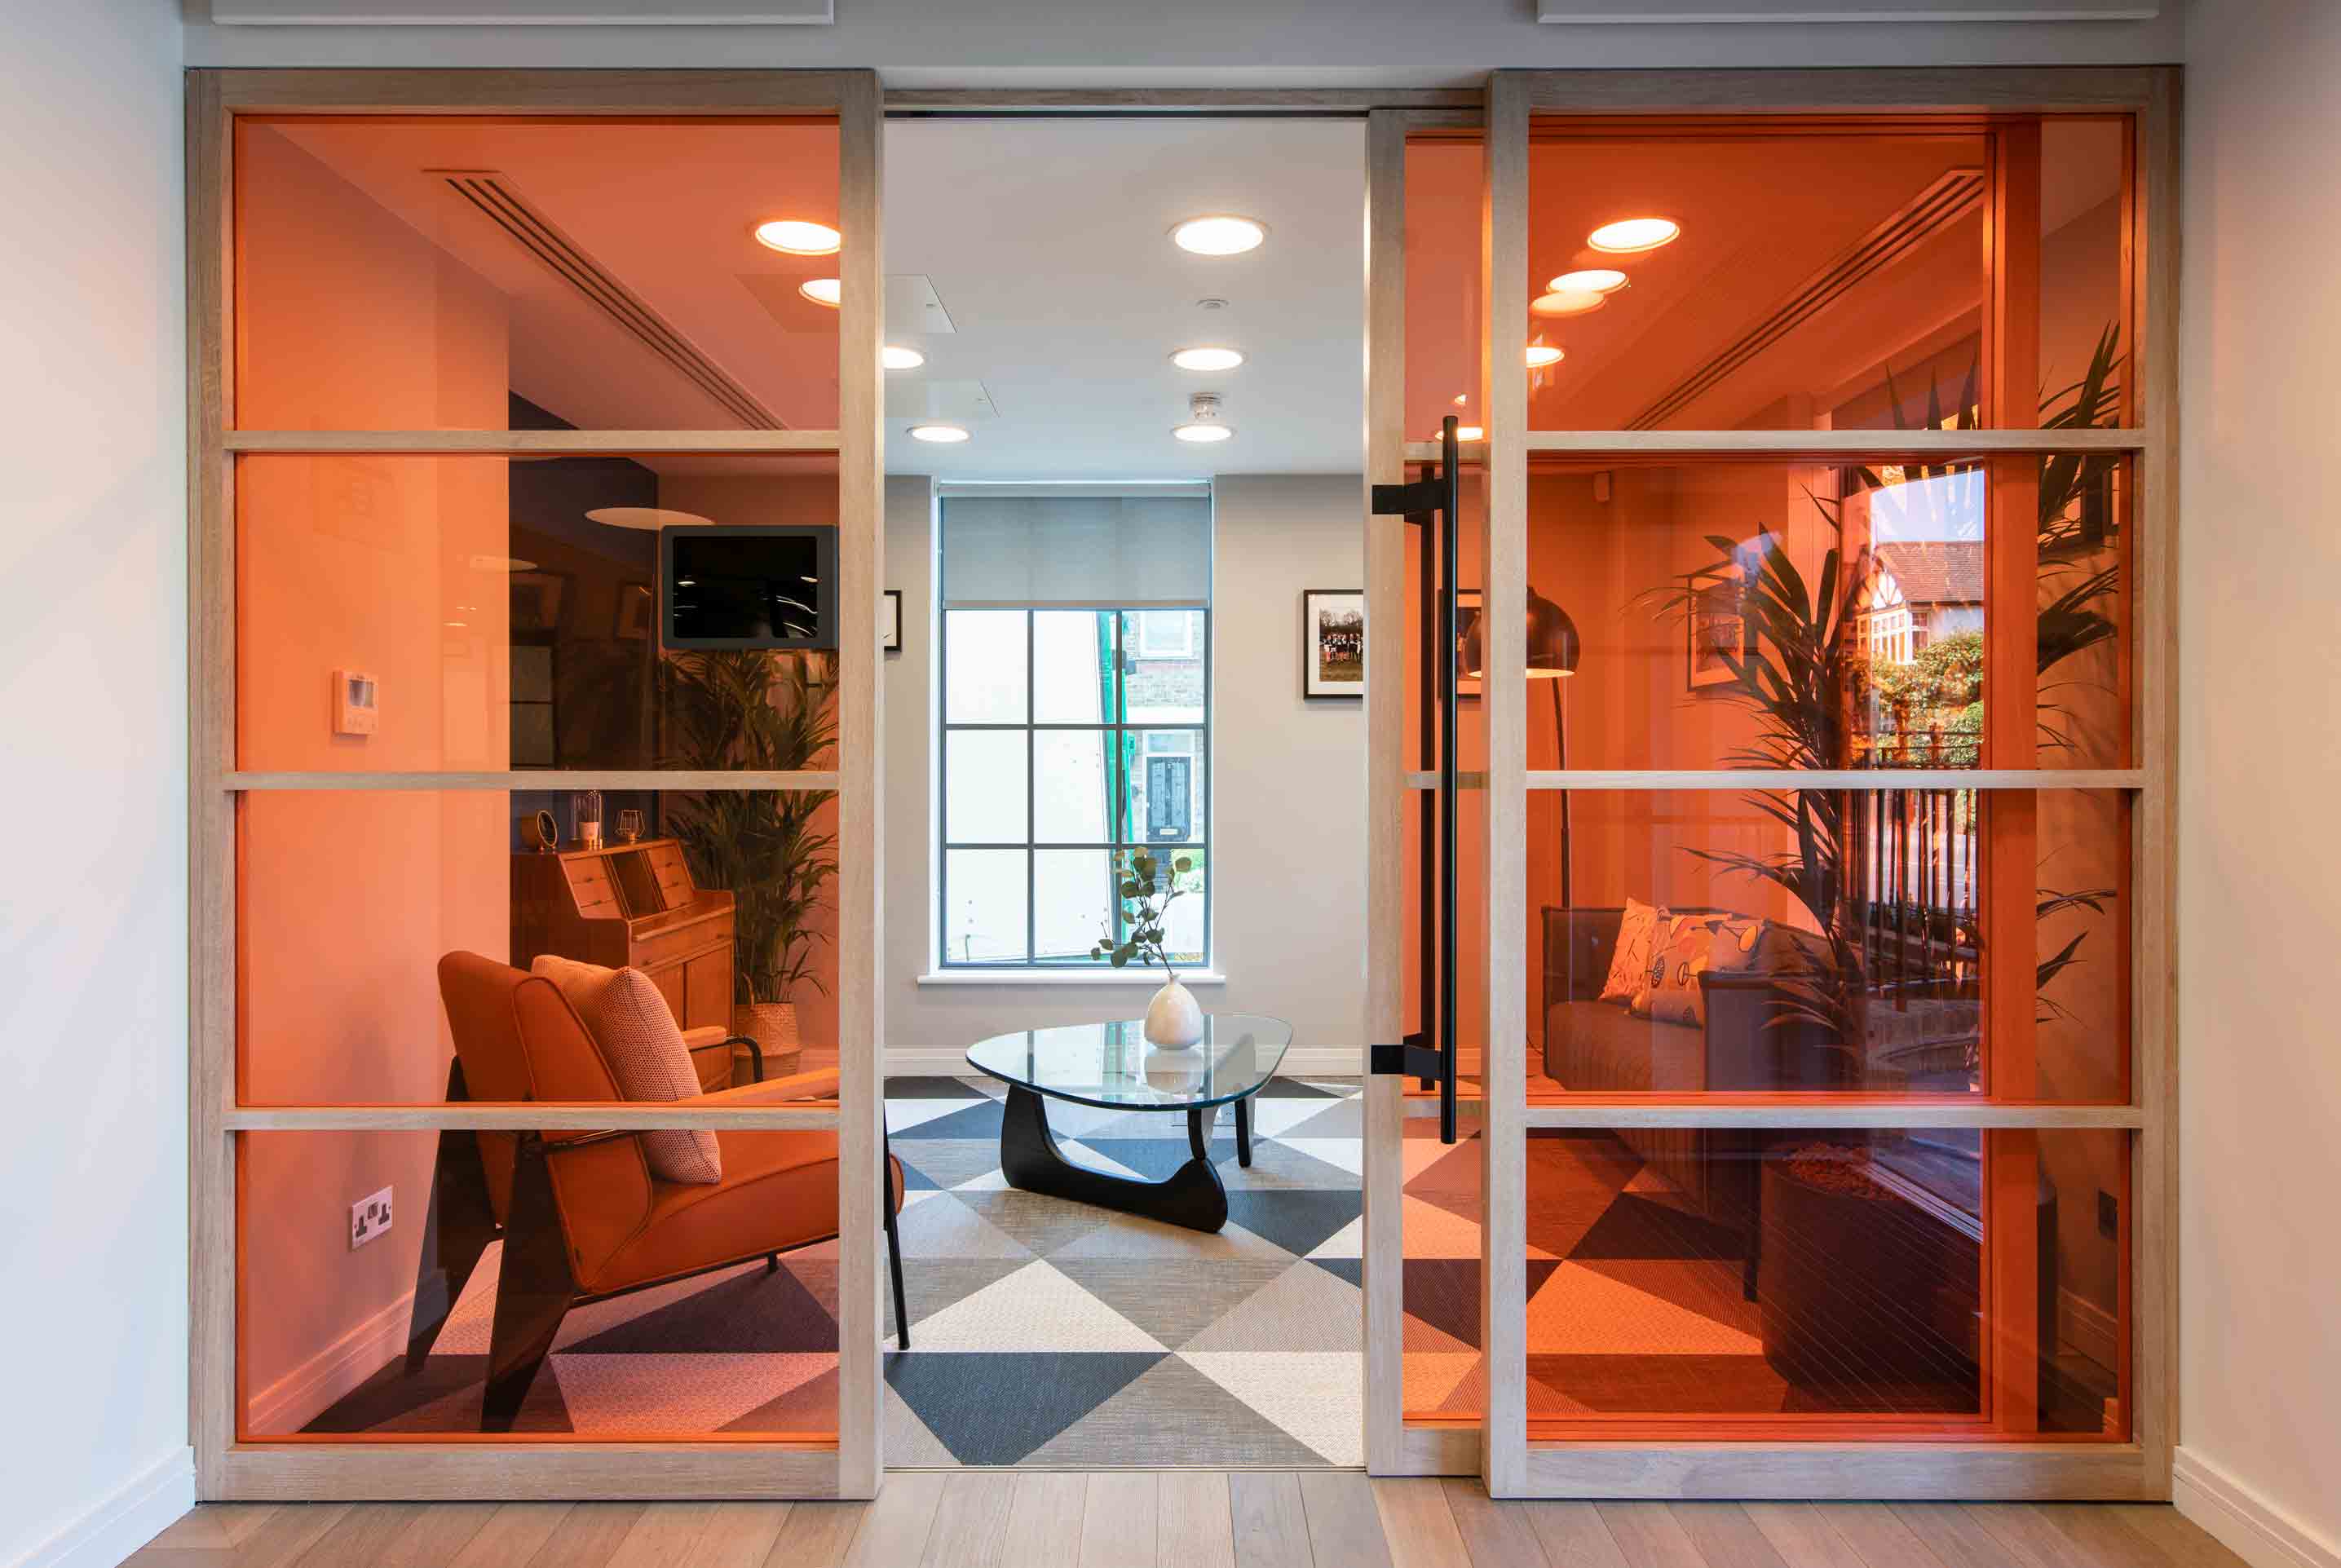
(581,1216)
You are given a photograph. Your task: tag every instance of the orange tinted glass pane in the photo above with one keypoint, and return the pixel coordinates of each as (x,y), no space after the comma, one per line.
(1836,1284)
(399,1307)
(1710,613)
(1443,284)
(348,903)
(1445,1376)
(495,612)
(1826,275)
(1802,941)
(467,274)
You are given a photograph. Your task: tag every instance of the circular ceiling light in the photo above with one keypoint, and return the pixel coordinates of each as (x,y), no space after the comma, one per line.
(1540,354)
(798,238)
(1566,302)
(649,518)
(1218,234)
(893,356)
(1207,358)
(825,291)
(944,435)
(1202,430)
(1630,234)
(1592,280)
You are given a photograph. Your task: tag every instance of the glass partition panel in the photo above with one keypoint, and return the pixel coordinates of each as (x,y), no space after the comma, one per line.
(1770,1284)
(1723,612)
(1770,274)
(378,933)
(373,1267)
(478,614)
(438,272)
(1445,1373)
(1444,179)
(1829,940)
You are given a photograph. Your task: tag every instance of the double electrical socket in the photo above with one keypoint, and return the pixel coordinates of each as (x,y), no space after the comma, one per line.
(369,1217)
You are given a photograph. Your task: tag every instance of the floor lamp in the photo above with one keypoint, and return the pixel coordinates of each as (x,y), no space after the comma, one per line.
(1552,650)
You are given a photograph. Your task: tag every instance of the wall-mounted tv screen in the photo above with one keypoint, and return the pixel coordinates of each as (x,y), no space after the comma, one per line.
(750,587)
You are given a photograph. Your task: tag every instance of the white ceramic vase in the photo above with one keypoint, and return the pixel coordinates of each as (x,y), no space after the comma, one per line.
(1173,1019)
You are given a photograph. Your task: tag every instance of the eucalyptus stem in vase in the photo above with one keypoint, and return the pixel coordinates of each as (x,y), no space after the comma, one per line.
(1173,1019)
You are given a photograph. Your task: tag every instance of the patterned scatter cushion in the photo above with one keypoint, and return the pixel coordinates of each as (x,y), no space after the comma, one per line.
(1630,965)
(636,1031)
(1686,946)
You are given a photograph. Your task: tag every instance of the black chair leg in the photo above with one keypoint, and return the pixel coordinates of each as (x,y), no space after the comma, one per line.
(772,1263)
(459,1221)
(893,1242)
(533,1289)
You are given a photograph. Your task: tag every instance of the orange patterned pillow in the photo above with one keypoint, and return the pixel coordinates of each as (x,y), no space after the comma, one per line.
(1629,965)
(1683,949)
(636,1031)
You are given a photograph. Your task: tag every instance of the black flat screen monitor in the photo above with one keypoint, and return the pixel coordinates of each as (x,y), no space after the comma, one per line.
(750,587)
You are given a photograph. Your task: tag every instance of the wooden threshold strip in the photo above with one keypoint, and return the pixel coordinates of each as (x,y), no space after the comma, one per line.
(1829,444)
(1839,778)
(1857,1113)
(634,1116)
(526,442)
(535,779)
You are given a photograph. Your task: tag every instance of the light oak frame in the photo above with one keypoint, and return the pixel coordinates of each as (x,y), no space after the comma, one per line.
(1500,1450)
(463,1467)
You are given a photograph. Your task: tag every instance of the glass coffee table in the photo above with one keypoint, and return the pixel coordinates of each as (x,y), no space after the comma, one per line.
(1111,1065)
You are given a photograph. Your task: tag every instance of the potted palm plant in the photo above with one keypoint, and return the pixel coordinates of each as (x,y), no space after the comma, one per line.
(756,710)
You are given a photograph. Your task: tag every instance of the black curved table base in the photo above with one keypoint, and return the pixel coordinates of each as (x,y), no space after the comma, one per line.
(1192,1196)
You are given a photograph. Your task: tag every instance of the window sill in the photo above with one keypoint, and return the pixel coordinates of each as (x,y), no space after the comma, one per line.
(1148,978)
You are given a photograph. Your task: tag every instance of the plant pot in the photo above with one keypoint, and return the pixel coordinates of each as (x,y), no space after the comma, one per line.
(1174,1020)
(773,1025)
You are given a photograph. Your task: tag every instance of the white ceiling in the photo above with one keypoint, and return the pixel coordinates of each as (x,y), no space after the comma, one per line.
(1047,241)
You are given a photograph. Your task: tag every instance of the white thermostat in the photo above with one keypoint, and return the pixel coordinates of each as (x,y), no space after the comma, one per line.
(356,702)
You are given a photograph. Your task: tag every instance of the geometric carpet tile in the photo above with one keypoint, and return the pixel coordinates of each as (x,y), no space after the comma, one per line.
(1314,1396)
(995,1409)
(1173,1415)
(1037,1310)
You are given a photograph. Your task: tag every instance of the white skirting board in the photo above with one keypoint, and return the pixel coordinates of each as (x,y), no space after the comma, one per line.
(139,1510)
(951,1061)
(314,1386)
(2243,1521)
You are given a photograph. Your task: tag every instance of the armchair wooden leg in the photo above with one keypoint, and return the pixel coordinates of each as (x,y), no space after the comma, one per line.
(459,1221)
(533,1288)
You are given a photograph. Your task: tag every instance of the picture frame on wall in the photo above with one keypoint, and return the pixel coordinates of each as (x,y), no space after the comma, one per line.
(889,623)
(1333,644)
(1717,622)
(1467,620)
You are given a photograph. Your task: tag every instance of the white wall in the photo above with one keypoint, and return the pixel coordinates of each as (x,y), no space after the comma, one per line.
(92,700)
(1288,802)
(2259,863)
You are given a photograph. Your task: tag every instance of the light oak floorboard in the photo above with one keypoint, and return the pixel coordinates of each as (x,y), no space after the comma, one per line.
(1492,1532)
(1953,1536)
(1044,1517)
(514,1533)
(365,1534)
(816,1535)
(1418,1523)
(1726,1537)
(584,1537)
(894,1531)
(439,1535)
(2186,1543)
(1196,1522)
(1272,1526)
(1573,1536)
(663,1536)
(1879,1535)
(1345,1531)
(971,1521)
(2030,1538)
(737,1535)
(1649,1535)
(1120,1520)
(214,1526)
(1801,1534)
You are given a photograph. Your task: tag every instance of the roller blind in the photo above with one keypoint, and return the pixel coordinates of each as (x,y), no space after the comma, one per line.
(1084,547)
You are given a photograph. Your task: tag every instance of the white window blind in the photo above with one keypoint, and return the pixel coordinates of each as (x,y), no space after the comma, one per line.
(1096,547)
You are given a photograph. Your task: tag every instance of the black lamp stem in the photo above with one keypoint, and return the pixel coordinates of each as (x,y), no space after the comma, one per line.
(1561,742)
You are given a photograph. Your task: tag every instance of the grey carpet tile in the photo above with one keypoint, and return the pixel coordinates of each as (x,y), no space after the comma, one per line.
(1173,1416)
(996,1409)
(1173,1304)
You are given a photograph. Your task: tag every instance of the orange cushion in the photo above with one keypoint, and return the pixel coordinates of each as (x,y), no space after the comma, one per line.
(779,1191)
(636,1032)
(1630,965)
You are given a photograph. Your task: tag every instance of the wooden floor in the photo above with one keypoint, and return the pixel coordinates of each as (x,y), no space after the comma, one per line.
(1183,1519)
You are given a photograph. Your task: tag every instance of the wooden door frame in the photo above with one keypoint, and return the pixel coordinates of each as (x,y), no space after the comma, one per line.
(228,1466)
(1500,1450)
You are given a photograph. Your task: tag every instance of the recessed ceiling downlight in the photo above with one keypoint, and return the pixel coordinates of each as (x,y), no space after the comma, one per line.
(1566,302)
(1589,280)
(945,434)
(798,238)
(894,356)
(1218,234)
(1207,358)
(1540,354)
(1630,234)
(825,291)
(1205,425)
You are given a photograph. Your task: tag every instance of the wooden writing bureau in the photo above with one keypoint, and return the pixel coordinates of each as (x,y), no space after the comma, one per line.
(634,906)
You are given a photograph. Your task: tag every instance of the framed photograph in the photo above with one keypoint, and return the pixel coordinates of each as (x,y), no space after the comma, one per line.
(637,612)
(538,599)
(1333,643)
(889,623)
(1717,623)
(1467,621)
